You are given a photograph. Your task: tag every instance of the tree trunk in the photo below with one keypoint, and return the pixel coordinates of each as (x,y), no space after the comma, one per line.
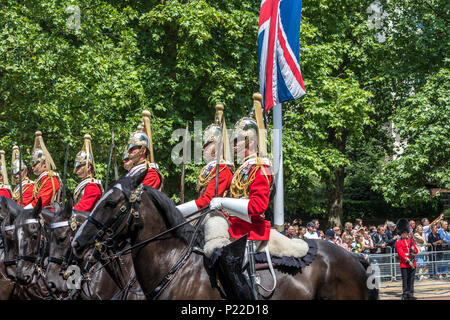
(335,189)
(335,196)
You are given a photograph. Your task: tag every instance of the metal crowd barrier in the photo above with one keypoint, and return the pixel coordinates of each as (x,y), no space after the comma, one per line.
(430,264)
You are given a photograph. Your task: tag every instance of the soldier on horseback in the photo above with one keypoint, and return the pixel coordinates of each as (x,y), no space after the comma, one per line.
(250,190)
(27,184)
(206,183)
(5,189)
(138,155)
(47,185)
(89,190)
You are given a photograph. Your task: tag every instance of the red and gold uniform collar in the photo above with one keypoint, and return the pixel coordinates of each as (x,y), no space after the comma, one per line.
(141,166)
(78,192)
(245,175)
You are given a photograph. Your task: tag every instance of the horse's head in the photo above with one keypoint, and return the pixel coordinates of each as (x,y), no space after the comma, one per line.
(108,216)
(9,210)
(30,237)
(60,236)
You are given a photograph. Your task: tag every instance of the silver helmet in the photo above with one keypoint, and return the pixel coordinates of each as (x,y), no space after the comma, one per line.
(85,156)
(211,134)
(40,152)
(142,138)
(245,127)
(138,138)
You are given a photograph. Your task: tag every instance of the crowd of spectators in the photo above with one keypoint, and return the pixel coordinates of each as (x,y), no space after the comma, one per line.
(365,240)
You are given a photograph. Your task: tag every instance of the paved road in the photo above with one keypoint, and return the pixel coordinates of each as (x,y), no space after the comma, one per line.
(423,290)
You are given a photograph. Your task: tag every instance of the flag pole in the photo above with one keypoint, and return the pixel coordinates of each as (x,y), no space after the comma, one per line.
(278,167)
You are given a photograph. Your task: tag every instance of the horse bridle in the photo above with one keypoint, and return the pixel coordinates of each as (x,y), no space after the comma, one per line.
(67,259)
(131,206)
(109,228)
(41,248)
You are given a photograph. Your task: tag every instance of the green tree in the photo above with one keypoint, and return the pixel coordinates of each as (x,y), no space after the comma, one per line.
(334,38)
(424,123)
(176,59)
(416,78)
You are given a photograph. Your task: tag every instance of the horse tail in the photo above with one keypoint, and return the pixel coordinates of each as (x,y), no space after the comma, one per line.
(373,293)
(173,217)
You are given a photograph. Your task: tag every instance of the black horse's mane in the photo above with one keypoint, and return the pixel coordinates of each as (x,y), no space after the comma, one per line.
(169,212)
(173,217)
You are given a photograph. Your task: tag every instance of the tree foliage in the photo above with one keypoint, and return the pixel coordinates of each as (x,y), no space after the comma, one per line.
(416,50)
(178,58)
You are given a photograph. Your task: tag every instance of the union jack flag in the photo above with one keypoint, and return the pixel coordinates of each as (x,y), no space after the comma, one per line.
(280,78)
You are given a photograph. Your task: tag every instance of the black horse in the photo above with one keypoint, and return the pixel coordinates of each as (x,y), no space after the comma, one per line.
(31,227)
(99,286)
(9,210)
(15,290)
(167,269)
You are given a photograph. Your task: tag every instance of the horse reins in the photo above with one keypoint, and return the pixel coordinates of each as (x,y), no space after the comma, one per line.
(131,207)
(64,261)
(41,248)
(40,255)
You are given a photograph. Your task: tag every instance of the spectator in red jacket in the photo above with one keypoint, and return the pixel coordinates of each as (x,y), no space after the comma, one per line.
(406,250)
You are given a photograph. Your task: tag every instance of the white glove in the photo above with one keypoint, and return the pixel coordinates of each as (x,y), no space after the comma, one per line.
(233,207)
(188,208)
(216,204)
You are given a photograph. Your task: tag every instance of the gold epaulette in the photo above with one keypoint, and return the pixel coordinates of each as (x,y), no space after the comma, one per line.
(203,180)
(39,185)
(242,180)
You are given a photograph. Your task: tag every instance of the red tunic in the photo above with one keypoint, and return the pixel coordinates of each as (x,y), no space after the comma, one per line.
(47,192)
(91,195)
(5,193)
(402,248)
(225,177)
(152,179)
(27,194)
(259,191)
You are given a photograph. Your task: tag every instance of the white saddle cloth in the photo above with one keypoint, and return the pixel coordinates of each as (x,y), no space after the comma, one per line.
(217,236)
(282,246)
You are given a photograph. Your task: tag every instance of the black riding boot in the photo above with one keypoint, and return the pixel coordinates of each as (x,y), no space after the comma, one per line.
(236,285)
